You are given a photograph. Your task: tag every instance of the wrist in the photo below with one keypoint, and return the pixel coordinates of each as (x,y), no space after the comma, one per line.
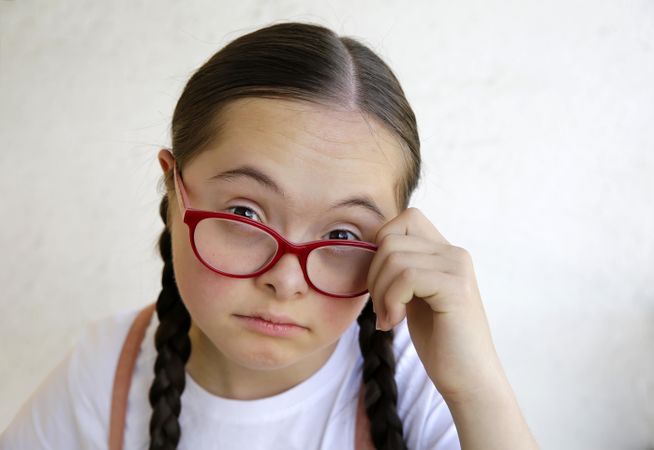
(490,389)
(490,418)
(487,383)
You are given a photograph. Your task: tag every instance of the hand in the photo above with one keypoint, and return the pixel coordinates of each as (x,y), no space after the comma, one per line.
(418,274)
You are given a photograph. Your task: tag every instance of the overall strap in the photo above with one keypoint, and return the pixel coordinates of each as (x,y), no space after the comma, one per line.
(123,376)
(123,380)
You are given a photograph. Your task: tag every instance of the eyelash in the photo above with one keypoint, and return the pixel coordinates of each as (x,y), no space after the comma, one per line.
(250,209)
(244,207)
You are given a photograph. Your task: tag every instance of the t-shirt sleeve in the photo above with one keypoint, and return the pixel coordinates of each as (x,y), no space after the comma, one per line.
(70,408)
(426,419)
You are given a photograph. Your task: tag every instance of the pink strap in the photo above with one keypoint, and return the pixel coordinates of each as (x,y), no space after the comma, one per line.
(123,380)
(123,376)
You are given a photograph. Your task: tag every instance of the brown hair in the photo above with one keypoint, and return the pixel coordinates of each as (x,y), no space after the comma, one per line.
(299,61)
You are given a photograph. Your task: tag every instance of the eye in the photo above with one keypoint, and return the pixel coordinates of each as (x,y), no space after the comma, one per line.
(244,211)
(342,234)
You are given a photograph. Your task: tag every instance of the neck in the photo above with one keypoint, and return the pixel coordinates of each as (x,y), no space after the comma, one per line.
(224,377)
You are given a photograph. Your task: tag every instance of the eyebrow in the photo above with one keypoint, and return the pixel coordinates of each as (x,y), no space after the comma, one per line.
(263,179)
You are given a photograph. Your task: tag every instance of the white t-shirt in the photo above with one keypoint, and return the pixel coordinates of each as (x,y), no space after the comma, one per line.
(70,409)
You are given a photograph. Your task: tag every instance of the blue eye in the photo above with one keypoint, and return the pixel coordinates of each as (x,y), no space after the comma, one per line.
(342,234)
(244,211)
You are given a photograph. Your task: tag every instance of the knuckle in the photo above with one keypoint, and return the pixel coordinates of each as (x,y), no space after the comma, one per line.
(395,259)
(387,240)
(412,210)
(415,213)
(461,252)
(408,274)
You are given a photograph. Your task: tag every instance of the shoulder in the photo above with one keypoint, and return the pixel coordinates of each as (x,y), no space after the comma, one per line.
(426,419)
(98,347)
(95,355)
(70,408)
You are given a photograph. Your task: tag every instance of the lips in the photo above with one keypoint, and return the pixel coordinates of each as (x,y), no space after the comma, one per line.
(273,318)
(272,325)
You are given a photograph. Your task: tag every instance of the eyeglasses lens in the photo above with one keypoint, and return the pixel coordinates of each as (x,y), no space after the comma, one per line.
(238,248)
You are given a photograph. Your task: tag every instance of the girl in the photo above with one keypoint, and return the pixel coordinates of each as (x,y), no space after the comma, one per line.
(291,259)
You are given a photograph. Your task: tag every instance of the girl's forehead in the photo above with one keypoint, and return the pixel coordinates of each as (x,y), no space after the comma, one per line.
(290,126)
(308,150)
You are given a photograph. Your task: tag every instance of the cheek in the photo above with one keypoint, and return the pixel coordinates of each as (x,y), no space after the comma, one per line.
(200,288)
(338,314)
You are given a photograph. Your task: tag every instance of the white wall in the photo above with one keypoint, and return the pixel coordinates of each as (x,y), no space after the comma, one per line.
(536,121)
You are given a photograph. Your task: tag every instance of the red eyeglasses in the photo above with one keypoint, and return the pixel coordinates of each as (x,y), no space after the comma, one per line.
(238,247)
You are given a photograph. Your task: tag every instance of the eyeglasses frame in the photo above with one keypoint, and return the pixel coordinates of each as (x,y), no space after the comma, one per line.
(192,216)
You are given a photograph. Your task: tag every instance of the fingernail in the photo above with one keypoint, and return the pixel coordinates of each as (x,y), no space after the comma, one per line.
(377,323)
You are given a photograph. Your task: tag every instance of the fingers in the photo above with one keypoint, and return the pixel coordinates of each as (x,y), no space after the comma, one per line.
(396,243)
(409,283)
(412,222)
(412,260)
(395,263)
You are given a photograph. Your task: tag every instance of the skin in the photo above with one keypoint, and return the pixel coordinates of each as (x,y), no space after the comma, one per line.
(318,156)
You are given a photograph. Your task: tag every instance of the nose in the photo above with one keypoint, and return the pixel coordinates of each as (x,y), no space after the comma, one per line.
(285,279)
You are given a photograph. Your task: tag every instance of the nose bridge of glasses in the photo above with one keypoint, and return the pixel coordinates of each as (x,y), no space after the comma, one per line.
(299,250)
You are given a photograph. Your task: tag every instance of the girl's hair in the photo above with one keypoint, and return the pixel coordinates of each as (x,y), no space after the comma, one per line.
(298,61)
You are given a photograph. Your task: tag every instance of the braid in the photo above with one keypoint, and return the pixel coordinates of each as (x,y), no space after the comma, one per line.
(379,378)
(173,350)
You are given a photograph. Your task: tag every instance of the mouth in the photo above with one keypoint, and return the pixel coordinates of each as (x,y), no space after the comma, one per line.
(271,325)
(272,318)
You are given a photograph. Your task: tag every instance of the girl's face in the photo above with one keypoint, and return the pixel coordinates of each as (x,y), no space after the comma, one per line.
(315,157)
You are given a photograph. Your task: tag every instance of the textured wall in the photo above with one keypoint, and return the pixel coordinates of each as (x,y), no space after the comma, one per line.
(536,124)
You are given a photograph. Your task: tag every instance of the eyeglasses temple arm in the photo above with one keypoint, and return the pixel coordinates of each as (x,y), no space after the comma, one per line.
(182,197)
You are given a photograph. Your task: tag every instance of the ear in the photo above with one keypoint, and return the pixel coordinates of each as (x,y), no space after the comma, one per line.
(166,159)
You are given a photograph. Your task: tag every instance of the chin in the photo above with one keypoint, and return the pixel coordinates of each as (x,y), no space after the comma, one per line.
(262,359)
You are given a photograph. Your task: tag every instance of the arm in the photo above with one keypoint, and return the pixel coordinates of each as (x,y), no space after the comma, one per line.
(416,273)
(491,419)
